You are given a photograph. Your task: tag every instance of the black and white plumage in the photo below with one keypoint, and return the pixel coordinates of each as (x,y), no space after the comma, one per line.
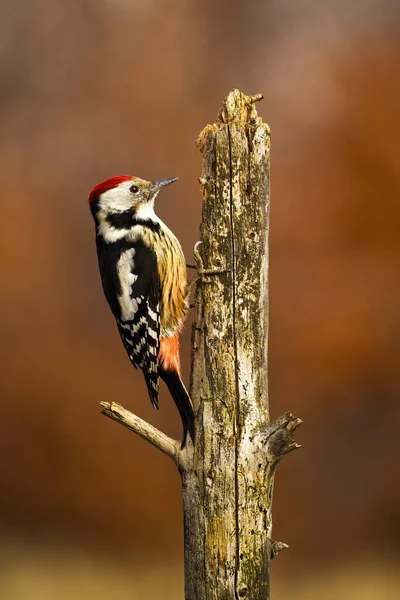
(139,323)
(144,280)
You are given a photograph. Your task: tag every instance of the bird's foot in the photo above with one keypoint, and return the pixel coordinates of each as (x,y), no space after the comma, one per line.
(198,265)
(202,273)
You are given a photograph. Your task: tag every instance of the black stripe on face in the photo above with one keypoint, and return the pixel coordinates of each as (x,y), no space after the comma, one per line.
(153,225)
(127,219)
(122,220)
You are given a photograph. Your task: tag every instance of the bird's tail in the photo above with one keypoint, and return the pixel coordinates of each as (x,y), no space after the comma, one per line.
(182,401)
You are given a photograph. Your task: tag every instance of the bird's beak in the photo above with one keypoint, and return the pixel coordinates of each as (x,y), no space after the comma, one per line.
(160,183)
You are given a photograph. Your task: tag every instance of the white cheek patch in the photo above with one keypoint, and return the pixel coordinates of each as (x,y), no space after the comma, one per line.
(117,199)
(120,200)
(146,212)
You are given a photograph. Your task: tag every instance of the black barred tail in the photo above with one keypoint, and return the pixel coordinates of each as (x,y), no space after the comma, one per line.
(182,401)
(151,380)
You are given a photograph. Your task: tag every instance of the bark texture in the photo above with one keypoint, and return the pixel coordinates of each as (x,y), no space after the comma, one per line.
(228,475)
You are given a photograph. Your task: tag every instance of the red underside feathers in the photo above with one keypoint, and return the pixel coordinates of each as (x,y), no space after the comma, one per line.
(168,355)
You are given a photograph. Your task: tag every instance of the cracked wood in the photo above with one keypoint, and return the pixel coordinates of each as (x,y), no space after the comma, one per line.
(227,540)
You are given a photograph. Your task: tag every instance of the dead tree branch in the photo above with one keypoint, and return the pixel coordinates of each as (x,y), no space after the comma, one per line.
(146,431)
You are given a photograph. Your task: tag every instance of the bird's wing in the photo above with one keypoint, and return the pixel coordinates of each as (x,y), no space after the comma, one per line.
(139,323)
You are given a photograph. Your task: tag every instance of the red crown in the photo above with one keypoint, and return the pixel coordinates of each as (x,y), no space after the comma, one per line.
(107,184)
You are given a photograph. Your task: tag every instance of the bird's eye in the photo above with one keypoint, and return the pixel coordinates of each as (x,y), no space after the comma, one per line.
(134,189)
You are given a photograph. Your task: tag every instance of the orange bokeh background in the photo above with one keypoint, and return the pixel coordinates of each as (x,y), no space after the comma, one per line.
(95,89)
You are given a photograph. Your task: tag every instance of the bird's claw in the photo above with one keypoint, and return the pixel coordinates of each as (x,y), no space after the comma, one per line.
(201,271)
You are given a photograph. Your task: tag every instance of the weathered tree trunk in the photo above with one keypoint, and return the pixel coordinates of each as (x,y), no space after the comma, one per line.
(228,475)
(228,480)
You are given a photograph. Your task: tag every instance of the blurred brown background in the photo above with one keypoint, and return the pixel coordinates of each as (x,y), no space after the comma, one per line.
(94,88)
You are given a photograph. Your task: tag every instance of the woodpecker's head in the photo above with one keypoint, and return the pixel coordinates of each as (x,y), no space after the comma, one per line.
(118,202)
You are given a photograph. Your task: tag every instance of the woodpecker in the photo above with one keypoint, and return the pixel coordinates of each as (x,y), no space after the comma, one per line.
(143,274)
